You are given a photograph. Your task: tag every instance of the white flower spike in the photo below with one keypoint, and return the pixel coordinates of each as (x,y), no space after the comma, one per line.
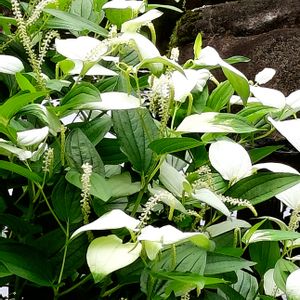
(230,159)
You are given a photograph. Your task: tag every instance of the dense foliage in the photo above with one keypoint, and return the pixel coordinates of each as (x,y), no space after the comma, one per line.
(125,175)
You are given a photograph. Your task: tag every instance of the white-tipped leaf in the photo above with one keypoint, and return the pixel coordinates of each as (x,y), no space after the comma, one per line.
(113,101)
(292,285)
(114,219)
(293,101)
(20,153)
(108,254)
(289,129)
(230,159)
(134,24)
(32,136)
(291,196)
(184,83)
(165,235)
(268,97)
(265,75)
(145,49)
(172,179)
(10,64)
(212,199)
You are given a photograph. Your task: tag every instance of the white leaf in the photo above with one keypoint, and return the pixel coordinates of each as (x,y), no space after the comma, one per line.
(94,70)
(10,64)
(270,286)
(293,101)
(108,254)
(265,75)
(235,99)
(184,84)
(134,24)
(291,196)
(208,57)
(220,228)
(112,101)
(289,129)
(268,97)
(114,219)
(230,159)
(202,123)
(292,285)
(165,235)
(212,199)
(172,179)
(121,4)
(83,48)
(32,136)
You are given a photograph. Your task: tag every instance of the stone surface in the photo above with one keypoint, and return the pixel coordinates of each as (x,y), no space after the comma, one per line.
(266,31)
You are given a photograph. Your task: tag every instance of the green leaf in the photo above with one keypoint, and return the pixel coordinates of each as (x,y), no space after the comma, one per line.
(95,129)
(237,59)
(18,226)
(24,83)
(99,186)
(15,103)
(246,285)
(197,46)
(220,96)
(262,186)
(218,263)
(121,185)
(80,150)
(265,254)
(26,262)
(118,16)
(110,152)
(66,202)
(183,282)
(44,114)
(254,113)
(282,270)
(65,20)
(259,153)
(170,145)
(14,168)
(82,8)
(108,254)
(239,83)
(135,130)
(272,235)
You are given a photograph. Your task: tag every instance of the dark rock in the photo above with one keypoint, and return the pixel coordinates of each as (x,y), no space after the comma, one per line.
(266,31)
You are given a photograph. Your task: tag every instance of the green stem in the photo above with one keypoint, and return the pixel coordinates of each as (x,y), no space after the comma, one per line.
(75,286)
(52,211)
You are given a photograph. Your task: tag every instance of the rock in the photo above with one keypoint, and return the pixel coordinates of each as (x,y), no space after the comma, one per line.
(266,31)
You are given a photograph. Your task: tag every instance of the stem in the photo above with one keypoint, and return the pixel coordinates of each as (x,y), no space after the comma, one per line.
(153,33)
(64,256)
(52,211)
(84,280)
